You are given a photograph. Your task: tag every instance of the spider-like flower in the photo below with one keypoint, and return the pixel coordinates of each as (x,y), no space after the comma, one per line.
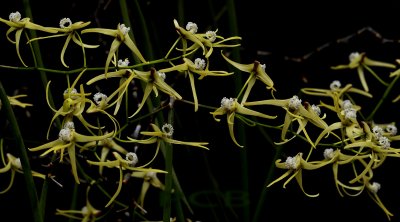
(87,214)
(121,35)
(295,111)
(257,72)
(126,77)
(13,164)
(336,92)
(13,100)
(200,67)
(122,164)
(68,139)
(71,30)
(154,81)
(344,108)
(379,146)
(231,108)
(336,157)
(106,145)
(100,104)
(206,41)
(295,165)
(73,106)
(149,178)
(163,135)
(361,62)
(19,25)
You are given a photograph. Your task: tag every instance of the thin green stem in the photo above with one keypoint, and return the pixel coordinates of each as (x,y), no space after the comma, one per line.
(234,31)
(37,56)
(375,75)
(384,96)
(260,207)
(168,152)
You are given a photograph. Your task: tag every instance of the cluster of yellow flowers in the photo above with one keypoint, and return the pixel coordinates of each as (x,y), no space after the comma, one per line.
(343,135)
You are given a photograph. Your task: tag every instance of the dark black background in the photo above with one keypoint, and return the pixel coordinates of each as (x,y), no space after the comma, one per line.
(275,33)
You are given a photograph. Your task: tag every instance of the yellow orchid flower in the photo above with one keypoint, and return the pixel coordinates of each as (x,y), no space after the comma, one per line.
(361,62)
(189,34)
(87,214)
(120,36)
(373,189)
(123,164)
(199,66)
(257,71)
(73,106)
(335,91)
(13,164)
(18,25)
(106,145)
(15,102)
(69,29)
(68,139)
(295,111)
(154,80)
(347,114)
(296,165)
(377,142)
(336,157)
(149,178)
(344,108)
(164,134)
(100,104)
(206,40)
(231,107)
(126,76)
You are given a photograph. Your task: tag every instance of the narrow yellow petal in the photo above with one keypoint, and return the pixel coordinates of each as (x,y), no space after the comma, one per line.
(131,45)
(361,75)
(118,189)
(83,138)
(64,49)
(242,67)
(72,159)
(231,121)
